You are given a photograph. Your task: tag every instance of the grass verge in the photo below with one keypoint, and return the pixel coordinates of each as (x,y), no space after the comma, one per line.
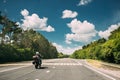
(105,65)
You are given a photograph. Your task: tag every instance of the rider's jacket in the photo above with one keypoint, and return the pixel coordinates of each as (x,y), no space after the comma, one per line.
(37,58)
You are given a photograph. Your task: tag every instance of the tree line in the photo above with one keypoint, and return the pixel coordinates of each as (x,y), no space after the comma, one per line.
(21,45)
(102,49)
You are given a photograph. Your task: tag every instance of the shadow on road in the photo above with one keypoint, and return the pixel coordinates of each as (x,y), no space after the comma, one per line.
(43,67)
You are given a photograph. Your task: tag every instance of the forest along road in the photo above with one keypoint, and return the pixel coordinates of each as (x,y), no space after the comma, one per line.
(52,69)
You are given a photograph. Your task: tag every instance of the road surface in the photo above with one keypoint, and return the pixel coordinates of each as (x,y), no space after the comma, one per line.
(53,69)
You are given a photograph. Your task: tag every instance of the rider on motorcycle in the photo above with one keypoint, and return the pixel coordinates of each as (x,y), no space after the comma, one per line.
(37,59)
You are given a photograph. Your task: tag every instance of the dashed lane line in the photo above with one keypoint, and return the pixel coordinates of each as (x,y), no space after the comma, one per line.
(63,64)
(47,71)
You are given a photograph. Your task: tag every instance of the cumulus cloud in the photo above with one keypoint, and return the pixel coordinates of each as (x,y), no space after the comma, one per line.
(35,22)
(66,50)
(84,2)
(105,34)
(25,12)
(69,14)
(18,23)
(81,31)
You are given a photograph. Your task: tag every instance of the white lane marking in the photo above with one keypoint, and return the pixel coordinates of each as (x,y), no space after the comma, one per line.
(54,67)
(78,63)
(13,68)
(36,79)
(100,72)
(64,63)
(48,71)
(67,63)
(61,64)
(55,63)
(73,64)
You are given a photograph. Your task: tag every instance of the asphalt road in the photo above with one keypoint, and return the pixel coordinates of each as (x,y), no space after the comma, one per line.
(52,69)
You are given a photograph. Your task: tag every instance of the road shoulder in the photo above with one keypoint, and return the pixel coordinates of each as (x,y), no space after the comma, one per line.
(111,69)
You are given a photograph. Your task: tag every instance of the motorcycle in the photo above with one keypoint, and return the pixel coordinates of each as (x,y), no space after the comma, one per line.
(37,62)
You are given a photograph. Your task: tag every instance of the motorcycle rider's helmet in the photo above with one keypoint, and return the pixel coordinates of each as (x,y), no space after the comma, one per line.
(37,53)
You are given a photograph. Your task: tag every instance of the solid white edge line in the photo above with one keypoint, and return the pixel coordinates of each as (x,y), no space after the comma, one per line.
(100,72)
(13,68)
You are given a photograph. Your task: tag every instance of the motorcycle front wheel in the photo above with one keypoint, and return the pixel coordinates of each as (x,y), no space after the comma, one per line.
(36,66)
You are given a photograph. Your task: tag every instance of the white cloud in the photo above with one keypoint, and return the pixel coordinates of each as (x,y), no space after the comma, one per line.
(35,22)
(66,50)
(105,34)
(18,23)
(81,31)
(25,12)
(84,2)
(69,14)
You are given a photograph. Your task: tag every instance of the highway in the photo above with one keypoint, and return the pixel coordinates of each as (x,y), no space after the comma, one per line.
(53,69)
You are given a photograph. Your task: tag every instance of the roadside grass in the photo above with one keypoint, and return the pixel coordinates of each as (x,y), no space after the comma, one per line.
(104,65)
(94,63)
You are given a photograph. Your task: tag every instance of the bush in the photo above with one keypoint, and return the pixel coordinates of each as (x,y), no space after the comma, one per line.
(10,54)
(117,57)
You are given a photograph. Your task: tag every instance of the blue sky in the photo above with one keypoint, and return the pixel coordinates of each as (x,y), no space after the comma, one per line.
(68,24)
